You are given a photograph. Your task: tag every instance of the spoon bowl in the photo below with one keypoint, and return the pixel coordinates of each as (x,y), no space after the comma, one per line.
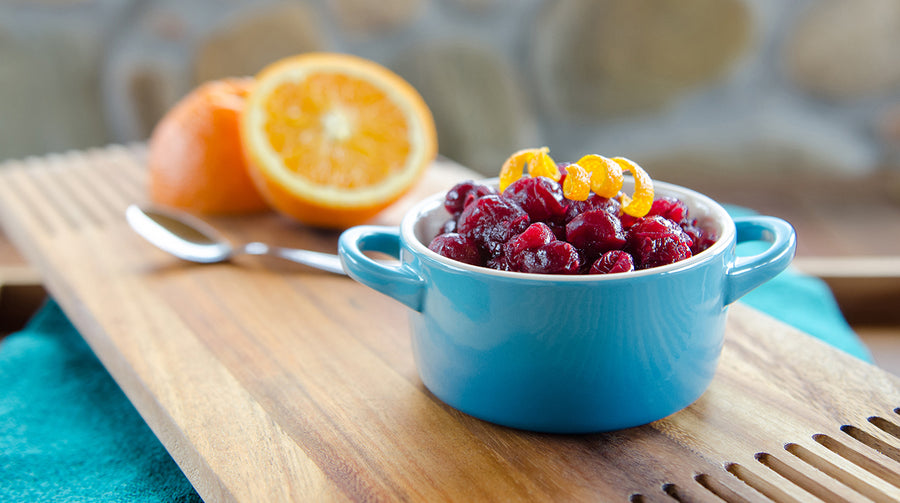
(189,238)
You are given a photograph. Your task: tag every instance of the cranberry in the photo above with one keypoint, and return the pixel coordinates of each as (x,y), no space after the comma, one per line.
(612,261)
(536,235)
(477,193)
(491,221)
(593,202)
(537,250)
(655,226)
(558,228)
(702,238)
(669,207)
(555,257)
(595,232)
(654,241)
(463,193)
(628,221)
(539,196)
(500,262)
(457,247)
(561,166)
(532,227)
(449,226)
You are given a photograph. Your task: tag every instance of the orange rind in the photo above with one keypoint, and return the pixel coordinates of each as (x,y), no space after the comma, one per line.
(592,173)
(639,204)
(543,165)
(606,175)
(195,160)
(577,185)
(537,161)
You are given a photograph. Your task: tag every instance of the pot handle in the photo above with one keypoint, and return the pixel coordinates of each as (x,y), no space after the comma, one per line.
(747,273)
(399,281)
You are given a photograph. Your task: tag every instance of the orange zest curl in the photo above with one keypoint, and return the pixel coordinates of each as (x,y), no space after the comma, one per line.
(640,203)
(538,161)
(592,173)
(543,165)
(577,185)
(606,175)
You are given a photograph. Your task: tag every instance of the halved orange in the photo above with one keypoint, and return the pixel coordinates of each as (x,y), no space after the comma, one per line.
(333,139)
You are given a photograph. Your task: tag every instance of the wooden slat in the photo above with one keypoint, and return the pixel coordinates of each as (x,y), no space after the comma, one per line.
(867,288)
(861,267)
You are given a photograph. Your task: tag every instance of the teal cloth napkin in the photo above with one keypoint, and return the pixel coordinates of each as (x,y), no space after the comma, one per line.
(802,301)
(68,433)
(807,303)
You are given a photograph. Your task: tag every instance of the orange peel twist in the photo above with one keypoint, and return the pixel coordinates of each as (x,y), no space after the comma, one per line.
(577,185)
(606,174)
(538,161)
(640,203)
(543,165)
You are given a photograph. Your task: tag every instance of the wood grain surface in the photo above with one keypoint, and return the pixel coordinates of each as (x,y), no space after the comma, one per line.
(268,381)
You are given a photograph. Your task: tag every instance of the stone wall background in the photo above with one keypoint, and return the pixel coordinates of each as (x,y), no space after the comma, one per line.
(720,86)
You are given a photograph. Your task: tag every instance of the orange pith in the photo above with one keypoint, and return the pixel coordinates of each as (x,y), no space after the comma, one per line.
(333,139)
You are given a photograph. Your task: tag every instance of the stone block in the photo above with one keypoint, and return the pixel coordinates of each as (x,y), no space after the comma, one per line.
(248,41)
(846,49)
(49,101)
(607,58)
(480,112)
(367,18)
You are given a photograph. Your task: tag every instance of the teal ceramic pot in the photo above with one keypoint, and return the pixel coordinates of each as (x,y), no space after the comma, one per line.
(568,354)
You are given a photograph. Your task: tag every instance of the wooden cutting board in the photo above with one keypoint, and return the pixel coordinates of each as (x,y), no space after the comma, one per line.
(268,381)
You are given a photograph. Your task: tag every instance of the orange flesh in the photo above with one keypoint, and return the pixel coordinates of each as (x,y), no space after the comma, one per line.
(346,122)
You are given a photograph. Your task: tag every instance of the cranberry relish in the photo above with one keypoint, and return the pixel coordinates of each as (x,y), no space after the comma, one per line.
(532,227)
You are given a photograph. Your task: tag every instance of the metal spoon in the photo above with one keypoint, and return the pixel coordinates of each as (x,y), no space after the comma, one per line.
(191,239)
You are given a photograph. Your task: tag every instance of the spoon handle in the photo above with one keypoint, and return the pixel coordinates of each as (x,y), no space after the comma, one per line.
(324,261)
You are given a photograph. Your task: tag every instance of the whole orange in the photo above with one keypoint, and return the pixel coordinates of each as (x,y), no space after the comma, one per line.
(195,156)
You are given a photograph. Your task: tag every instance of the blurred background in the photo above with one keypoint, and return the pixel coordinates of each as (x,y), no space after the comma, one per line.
(789,108)
(728,86)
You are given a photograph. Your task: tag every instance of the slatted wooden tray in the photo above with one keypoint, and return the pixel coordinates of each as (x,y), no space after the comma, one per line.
(271,382)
